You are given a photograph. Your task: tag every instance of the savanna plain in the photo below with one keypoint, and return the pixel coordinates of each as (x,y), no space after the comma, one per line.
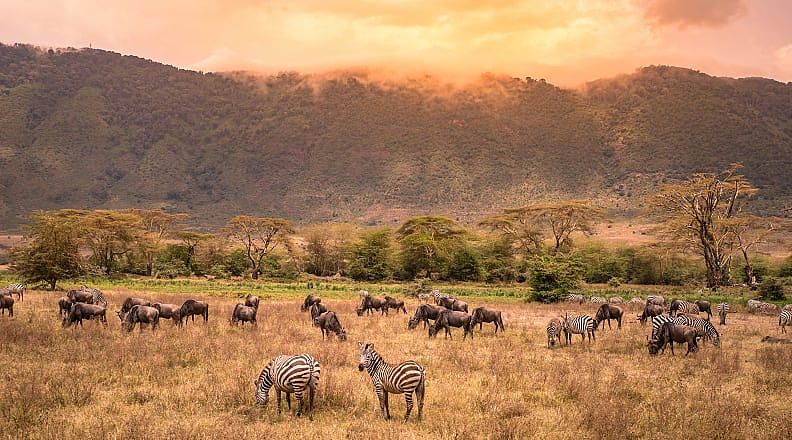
(197,381)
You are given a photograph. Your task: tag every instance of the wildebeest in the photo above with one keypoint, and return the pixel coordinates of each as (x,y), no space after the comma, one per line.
(64,305)
(169,311)
(130,302)
(80,311)
(481,315)
(328,322)
(774,340)
(252,301)
(453,304)
(6,302)
(424,313)
(371,303)
(309,301)
(650,311)
(141,315)
(393,303)
(191,307)
(316,310)
(704,307)
(451,318)
(608,312)
(670,333)
(80,296)
(656,300)
(243,313)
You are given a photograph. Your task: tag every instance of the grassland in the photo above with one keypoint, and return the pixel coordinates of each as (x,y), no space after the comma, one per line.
(196,382)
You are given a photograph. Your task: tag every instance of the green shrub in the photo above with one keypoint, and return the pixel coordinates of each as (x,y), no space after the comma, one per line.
(614,282)
(549,273)
(547,297)
(771,289)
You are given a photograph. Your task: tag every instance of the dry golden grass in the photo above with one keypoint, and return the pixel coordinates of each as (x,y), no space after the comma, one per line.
(197,382)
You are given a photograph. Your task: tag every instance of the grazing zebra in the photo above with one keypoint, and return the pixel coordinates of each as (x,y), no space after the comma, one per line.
(681,306)
(635,301)
(657,323)
(404,378)
(755,306)
(575,298)
(615,300)
(554,330)
(784,319)
(289,374)
(788,307)
(17,289)
(96,295)
(702,326)
(438,296)
(582,325)
(424,298)
(598,300)
(723,310)
(655,299)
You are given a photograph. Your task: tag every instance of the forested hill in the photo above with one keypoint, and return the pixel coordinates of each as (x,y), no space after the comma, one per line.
(90,128)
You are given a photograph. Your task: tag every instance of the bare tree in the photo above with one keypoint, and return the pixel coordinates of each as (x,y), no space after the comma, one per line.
(259,236)
(517,229)
(562,218)
(156,225)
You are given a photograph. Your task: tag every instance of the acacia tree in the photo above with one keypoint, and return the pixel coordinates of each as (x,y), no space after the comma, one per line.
(51,252)
(110,235)
(326,246)
(425,244)
(516,228)
(370,258)
(259,236)
(561,219)
(156,226)
(190,240)
(749,231)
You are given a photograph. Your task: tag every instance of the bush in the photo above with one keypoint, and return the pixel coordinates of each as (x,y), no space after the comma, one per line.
(464,265)
(172,269)
(614,282)
(771,289)
(547,273)
(547,297)
(786,267)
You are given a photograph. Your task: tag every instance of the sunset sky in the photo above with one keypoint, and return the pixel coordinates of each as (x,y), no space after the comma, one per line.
(566,41)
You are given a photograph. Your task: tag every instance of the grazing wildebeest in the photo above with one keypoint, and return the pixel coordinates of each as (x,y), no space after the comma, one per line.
(316,310)
(252,301)
(704,307)
(451,318)
(243,313)
(424,313)
(393,303)
(169,311)
(309,301)
(64,305)
(328,322)
(80,311)
(650,311)
(6,302)
(191,307)
(454,304)
(371,303)
(670,333)
(141,315)
(130,302)
(481,315)
(608,312)
(80,296)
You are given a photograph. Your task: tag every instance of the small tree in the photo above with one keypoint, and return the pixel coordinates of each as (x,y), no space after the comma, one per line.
(156,225)
(370,257)
(426,243)
(258,236)
(772,289)
(51,252)
(561,219)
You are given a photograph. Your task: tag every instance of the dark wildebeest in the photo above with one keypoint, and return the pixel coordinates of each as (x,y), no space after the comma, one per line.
(424,313)
(451,318)
(670,333)
(309,301)
(704,307)
(252,301)
(80,311)
(454,304)
(243,313)
(169,311)
(6,302)
(64,305)
(191,307)
(393,303)
(80,296)
(650,311)
(316,310)
(371,303)
(608,312)
(129,303)
(481,315)
(328,322)
(141,315)
(774,340)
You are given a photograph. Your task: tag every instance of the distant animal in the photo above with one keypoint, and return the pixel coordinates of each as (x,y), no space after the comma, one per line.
(670,333)
(424,297)
(615,300)
(703,327)
(682,306)
(774,340)
(608,312)
(405,378)
(191,307)
(454,304)
(7,302)
(437,295)
(96,295)
(394,303)
(723,310)
(289,374)
(130,302)
(17,289)
(80,296)
(309,301)
(141,315)
(169,311)
(784,319)
(252,301)
(656,299)
(635,301)
(575,298)
(80,311)
(481,315)
(316,310)
(598,300)
(755,306)
(787,307)
(582,325)
(363,293)
(371,303)
(650,311)
(64,305)
(424,313)
(554,330)
(243,314)
(704,307)
(328,322)
(451,318)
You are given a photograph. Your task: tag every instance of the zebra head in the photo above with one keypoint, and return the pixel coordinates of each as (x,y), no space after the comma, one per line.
(263,385)
(366,355)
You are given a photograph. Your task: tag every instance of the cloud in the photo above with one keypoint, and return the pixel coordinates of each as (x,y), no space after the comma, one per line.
(689,13)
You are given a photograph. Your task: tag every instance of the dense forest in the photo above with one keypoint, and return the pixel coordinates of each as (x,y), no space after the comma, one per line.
(95,129)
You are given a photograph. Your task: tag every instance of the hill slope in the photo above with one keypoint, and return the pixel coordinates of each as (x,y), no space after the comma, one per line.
(91,128)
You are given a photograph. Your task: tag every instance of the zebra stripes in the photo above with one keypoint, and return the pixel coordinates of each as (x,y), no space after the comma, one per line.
(582,325)
(679,306)
(657,323)
(289,374)
(723,310)
(784,319)
(702,326)
(598,300)
(404,378)
(575,298)
(437,295)
(96,295)
(17,289)
(635,301)
(655,299)
(554,330)
(755,306)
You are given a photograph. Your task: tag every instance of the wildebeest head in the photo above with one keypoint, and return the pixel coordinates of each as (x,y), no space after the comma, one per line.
(653,345)
(412,323)
(366,355)
(359,311)
(342,334)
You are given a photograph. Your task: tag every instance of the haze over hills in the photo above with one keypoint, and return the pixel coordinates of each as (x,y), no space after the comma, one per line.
(90,128)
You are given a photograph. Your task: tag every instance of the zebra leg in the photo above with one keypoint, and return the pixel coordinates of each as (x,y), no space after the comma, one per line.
(408,397)
(299,396)
(419,395)
(385,403)
(278,400)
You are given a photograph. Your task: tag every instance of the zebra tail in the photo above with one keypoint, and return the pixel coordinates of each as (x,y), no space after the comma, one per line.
(206,313)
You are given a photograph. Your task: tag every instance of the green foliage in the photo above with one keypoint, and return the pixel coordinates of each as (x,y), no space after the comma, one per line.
(548,296)
(464,265)
(771,289)
(600,264)
(786,267)
(51,253)
(370,256)
(615,282)
(171,269)
(761,269)
(553,273)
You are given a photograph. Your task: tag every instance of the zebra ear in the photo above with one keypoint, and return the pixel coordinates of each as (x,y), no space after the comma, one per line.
(360,344)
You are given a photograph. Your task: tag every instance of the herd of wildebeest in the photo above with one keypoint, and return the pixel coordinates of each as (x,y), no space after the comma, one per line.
(677,321)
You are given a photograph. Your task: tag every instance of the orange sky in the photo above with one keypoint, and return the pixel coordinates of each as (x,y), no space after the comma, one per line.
(566,41)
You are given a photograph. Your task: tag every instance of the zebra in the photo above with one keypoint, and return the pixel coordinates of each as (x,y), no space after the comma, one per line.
(289,374)
(784,319)
(657,324)
(554,330)
(598,300)
(755,306)
(582,325)
(615,300)
(788,307)
(17,289)
(723,310)
(404,378)
(437,295)
(96,295)
(635,301)
(655,299)
(680,306)
(575,298)
(702,326)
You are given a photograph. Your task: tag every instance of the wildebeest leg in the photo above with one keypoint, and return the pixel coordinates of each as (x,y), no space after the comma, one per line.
(672,347)
(619,321)
(448,332)
(408,397)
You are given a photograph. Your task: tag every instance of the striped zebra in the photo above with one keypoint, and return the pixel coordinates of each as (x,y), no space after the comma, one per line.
(554,330)
(582,325)
(598,300)
(289,374)
(437,295)
(404,378)
(17,289)
(575,298)
(657,323)
(635,301)
(702,326)
(723,310)
(787,307)
(680,306)
(96,295)
(755,306)
(784,319)
(615,300)
(655,299)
